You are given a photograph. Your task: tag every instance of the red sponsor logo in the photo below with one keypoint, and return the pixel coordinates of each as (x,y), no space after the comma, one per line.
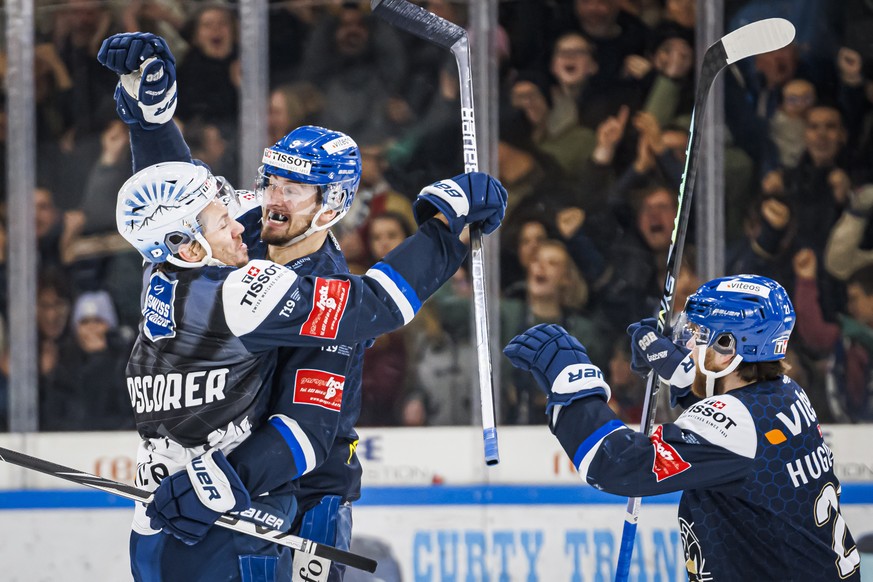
(331,296)
(253,271)
(718,404)
(319,388)
(667,460)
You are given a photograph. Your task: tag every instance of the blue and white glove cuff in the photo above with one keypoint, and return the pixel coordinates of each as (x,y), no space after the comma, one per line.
(210,482)
(578,378)
(451,193)
(684,374)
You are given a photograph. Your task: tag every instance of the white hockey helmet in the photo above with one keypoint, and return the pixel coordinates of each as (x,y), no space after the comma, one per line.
(158,207)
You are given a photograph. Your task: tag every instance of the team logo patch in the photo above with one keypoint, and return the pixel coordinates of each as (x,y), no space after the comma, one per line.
(667,460)
(158,314)
(319,388)
(331,296)
(781,345)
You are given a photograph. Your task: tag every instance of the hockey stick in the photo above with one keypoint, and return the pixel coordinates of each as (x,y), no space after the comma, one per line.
(753,39)
(427,25)
(226,521)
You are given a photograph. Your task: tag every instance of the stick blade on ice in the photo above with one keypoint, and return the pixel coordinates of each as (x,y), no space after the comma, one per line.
(758,37)
(418,21)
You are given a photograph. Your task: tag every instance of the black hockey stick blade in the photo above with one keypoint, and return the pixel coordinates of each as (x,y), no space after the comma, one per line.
(227,521)
(416,20)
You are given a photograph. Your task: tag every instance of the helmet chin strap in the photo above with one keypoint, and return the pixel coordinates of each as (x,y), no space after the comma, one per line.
(205,261)
(710,375)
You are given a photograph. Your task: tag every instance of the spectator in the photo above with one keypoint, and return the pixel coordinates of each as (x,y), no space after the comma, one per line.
(570,144)
(375,196)
(292,105)
(555,293)
(628,389)
(616,34)
(788,124)
(849,244)
(633,283)
(849,341)
(208,76)
(52,318)
(519,245)
(387,365)
(577,95)
(357,69)
(768,242)
(86,391)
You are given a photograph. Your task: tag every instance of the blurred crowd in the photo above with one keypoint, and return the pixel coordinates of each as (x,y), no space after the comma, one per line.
(594,108)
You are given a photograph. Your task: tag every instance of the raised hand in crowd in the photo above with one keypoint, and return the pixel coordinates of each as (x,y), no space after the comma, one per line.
(805,264)
(840,185)
(609,134)
(776,213)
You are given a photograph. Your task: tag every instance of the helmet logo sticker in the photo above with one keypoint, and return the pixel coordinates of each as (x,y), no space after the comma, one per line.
(339,144)
(781,345)
(286,162)
(737,286)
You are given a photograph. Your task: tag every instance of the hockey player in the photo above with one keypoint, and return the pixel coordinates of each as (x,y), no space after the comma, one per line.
(331,480)
(199,375)
(760,499)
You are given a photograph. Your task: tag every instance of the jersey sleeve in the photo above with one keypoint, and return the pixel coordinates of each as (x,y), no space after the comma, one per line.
(309,390)
(268,305)
(712,444)
(161,144)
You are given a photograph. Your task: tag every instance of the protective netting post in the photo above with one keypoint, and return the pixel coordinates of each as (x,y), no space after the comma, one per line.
(21,180)
(254,89)
(710,199)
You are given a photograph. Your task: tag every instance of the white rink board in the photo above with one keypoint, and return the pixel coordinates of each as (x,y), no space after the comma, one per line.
(421,488)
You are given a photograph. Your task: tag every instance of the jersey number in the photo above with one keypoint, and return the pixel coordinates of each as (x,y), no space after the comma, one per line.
(828,500)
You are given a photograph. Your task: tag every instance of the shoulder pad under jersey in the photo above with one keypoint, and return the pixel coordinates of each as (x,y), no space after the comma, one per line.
(250,294)
(724,421)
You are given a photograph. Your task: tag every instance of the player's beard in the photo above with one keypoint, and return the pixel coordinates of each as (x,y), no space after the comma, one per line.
(698,386)
(282,234)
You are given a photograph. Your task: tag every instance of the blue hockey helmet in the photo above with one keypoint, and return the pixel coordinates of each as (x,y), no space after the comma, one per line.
(748,315)
(318,156)
(157,209)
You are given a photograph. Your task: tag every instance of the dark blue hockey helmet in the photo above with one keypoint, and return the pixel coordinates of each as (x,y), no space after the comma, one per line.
(749,315)
(318,156)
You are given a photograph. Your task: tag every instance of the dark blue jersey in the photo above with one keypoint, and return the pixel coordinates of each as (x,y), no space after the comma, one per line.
(760,501)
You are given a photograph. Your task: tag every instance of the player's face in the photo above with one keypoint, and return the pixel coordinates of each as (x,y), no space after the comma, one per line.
(712,360)
(288,209)
(224,235)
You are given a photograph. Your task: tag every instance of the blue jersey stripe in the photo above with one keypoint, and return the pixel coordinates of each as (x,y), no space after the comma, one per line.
(293,445)
(402,284)
(593,439)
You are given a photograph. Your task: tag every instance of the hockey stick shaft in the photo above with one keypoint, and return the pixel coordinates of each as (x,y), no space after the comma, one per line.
(753,39)
(418,21)
(226,521)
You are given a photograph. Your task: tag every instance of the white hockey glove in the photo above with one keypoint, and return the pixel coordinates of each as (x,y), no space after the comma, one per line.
(465,199)
(146,92)
(187,503)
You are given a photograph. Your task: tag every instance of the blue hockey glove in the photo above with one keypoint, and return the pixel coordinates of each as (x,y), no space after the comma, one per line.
(146,92)
(465,199)
(124,53)
(187,503)
(651,350)
(559,364)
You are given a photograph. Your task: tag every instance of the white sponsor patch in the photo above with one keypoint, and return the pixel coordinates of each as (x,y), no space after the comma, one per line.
(286,161)
(451,193)
(738,286)
(724,421)
(339,144)
(252,292)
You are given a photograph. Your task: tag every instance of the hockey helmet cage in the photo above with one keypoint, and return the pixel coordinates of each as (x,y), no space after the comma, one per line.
(322,157)
(749,315)
(157,209)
